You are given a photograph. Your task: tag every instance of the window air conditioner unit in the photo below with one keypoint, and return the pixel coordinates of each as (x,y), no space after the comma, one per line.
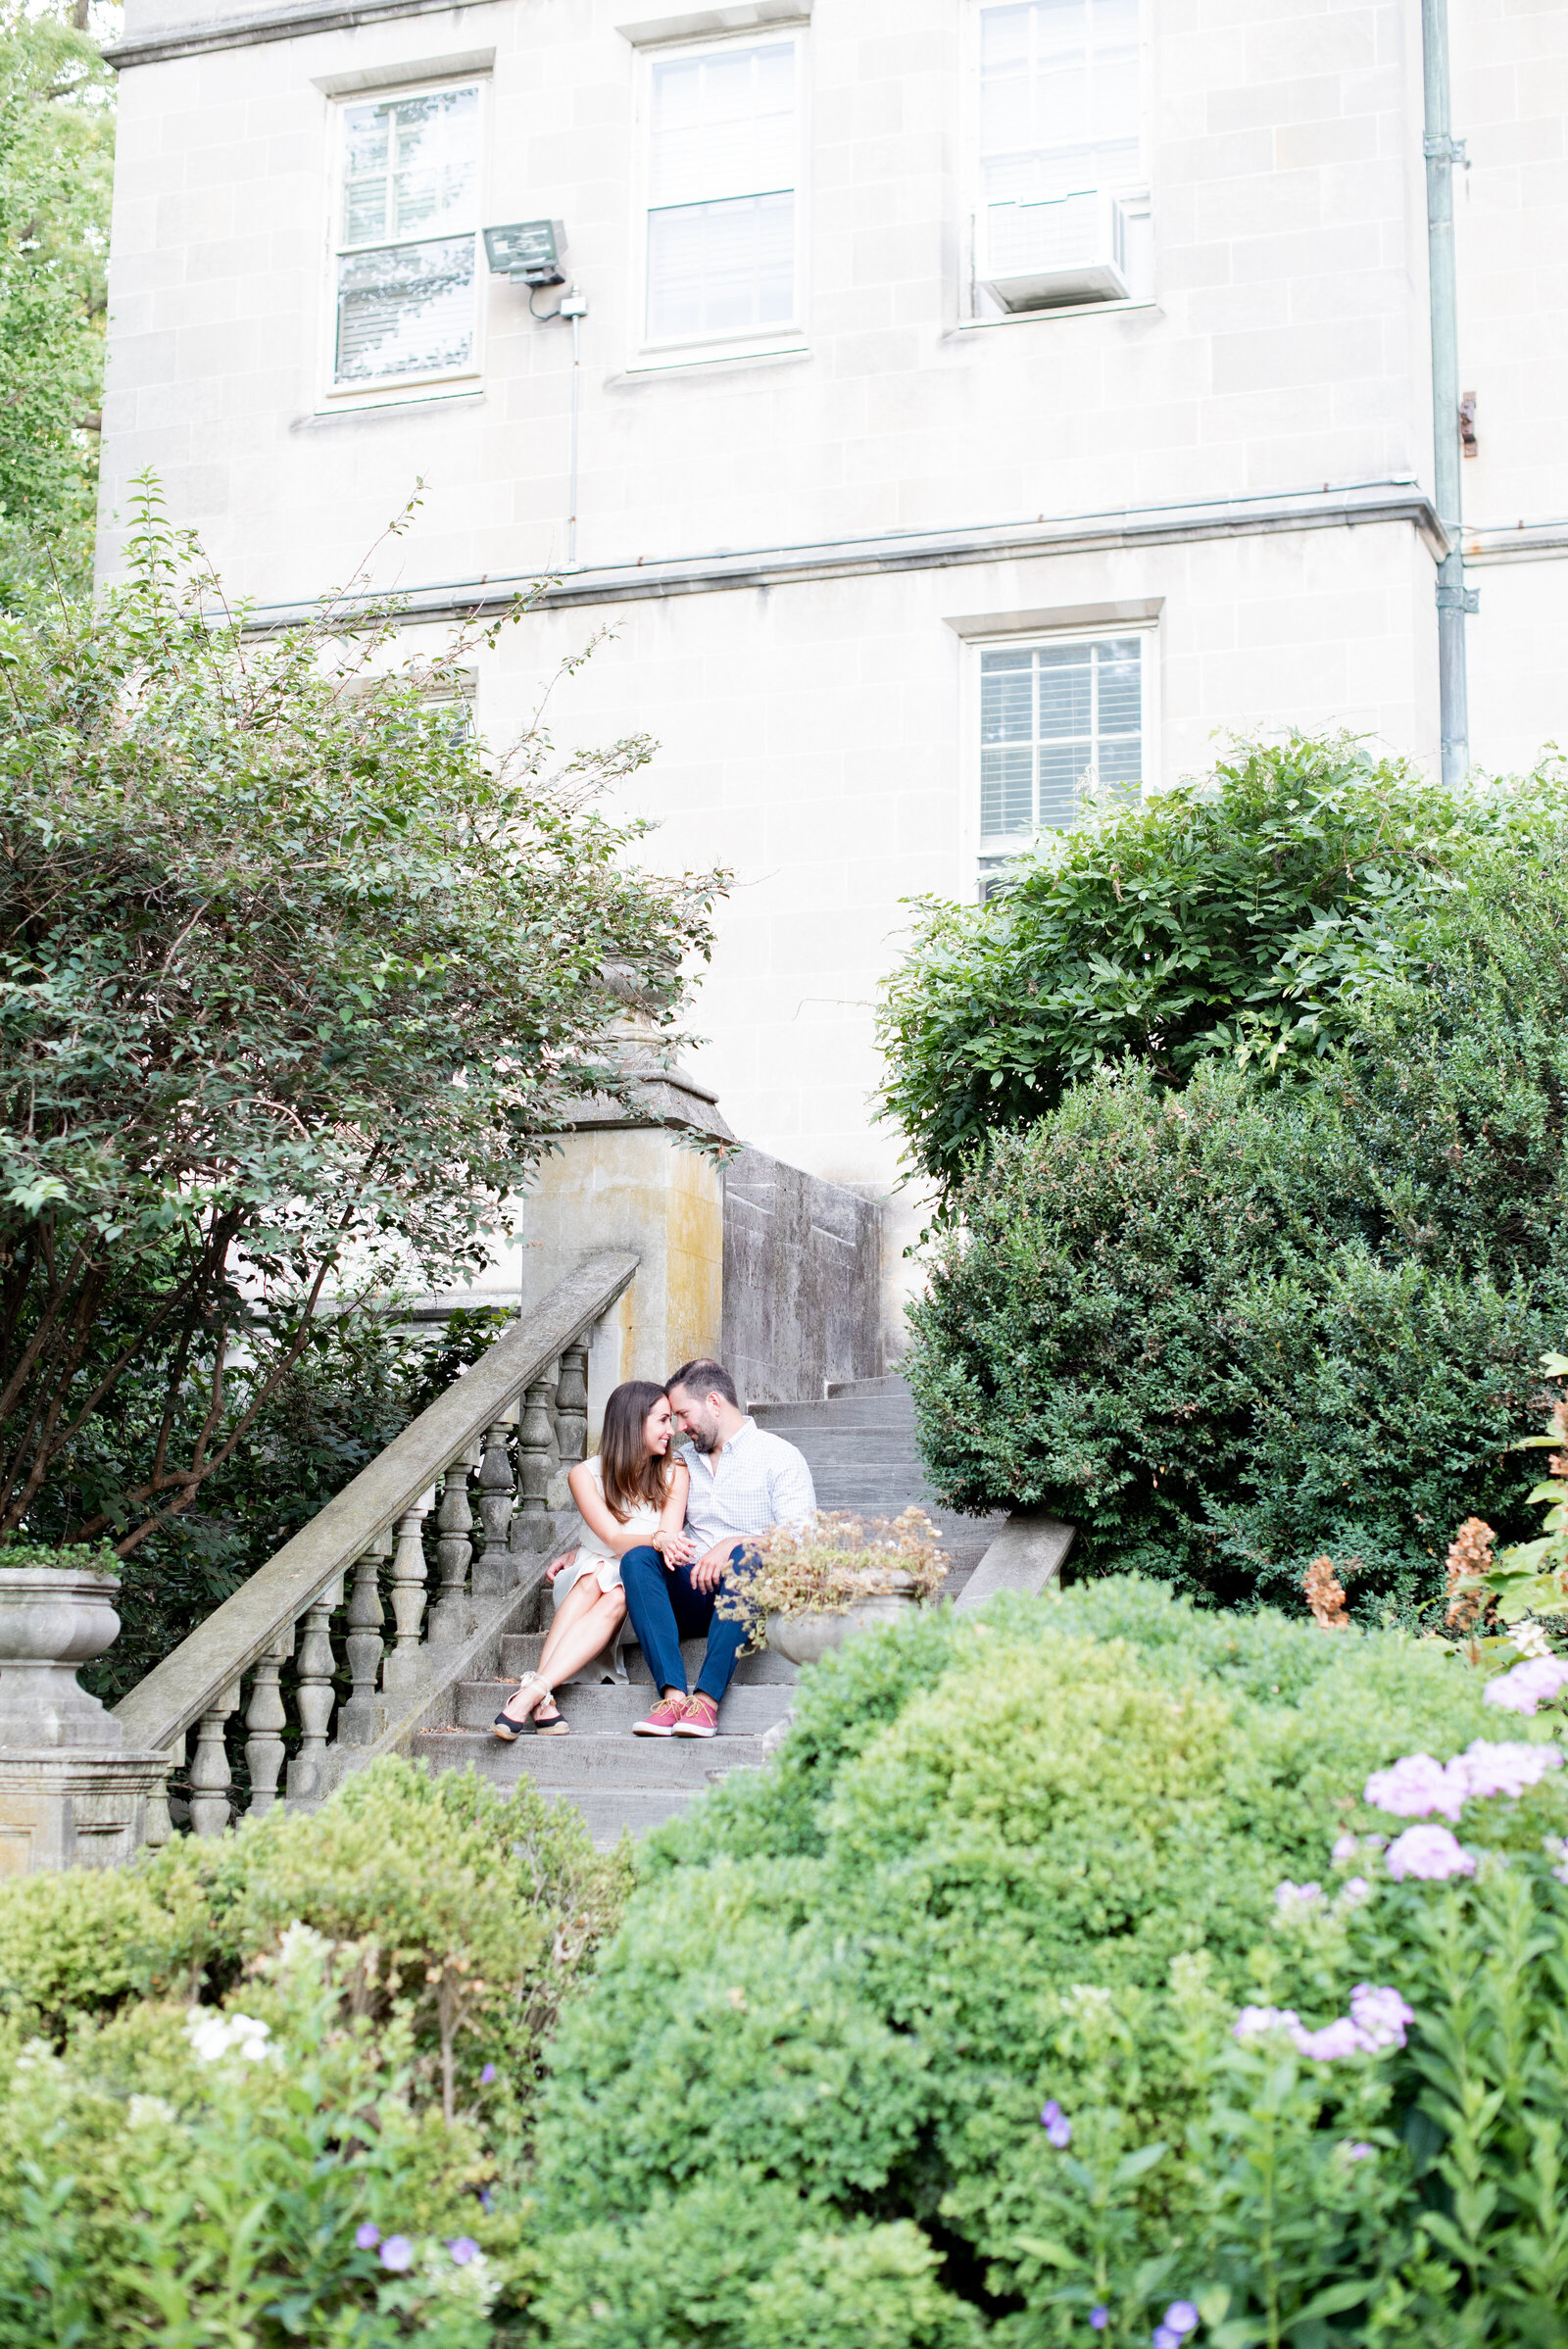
(1035,255)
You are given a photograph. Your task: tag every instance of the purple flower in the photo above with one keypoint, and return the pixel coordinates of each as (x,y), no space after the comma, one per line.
(367,2236)
(463,2250)
(1380,2014)
(487,2200)
(1333,2040)
(397,2252)
(1354,1891)
(1181,2317)
(1430,1852)
(1528,1686)
(1059,2131)
(1508,1768)
(1053,2112)
(1360,2153)
(1417,1786)
(487,2076)
(1345,1848)
(1100,2317)
(1163,2337)
(1290,1898)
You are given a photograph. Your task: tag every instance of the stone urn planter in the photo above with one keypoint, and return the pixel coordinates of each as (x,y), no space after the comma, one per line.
(807,1638)
(50,1624)
(71,1794)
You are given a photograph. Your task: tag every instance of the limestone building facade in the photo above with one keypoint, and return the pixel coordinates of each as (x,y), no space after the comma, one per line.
(973,399)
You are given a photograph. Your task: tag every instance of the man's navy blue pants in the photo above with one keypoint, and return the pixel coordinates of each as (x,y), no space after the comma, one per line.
(664,1610)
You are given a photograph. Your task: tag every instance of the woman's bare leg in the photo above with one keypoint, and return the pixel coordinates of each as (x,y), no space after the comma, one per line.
(572,1644)
(579,1602)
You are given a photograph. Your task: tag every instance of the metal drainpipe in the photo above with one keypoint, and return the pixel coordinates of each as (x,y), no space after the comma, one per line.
(1454,600)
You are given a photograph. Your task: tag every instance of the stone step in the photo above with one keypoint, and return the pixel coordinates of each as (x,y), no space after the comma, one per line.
(612,1814)
(563,1765)
(884,1413)
(519,1653)
(891,1384)
(746,1712)
(879,1452)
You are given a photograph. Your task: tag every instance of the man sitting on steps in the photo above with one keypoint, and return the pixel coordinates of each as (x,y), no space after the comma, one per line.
(743,1482)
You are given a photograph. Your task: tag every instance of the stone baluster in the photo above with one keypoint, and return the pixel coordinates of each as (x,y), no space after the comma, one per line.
(359,1717)
(404,1669)
(571,1404)
(493,1573)
(451,1617)
(313,1695)
(160,1826)
(264,1719)
(209,1769)
(535,1438)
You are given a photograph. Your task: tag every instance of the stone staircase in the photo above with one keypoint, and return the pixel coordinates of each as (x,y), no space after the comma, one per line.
(859,1444)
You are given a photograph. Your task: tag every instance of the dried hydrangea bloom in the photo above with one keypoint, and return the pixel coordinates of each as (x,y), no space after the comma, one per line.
(1469,1555)
(1325,1595)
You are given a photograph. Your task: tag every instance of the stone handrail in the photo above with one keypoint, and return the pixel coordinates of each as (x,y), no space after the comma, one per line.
(466,1431)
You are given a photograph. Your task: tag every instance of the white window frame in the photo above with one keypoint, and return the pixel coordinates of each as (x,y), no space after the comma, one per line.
(648,357)
(1100,631)
(1134,196)
(390,391)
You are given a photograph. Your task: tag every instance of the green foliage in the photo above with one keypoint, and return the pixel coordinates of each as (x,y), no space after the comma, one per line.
(83,1557)
(1237,918)
(1225,1331)
(296,981)
(410,1937)
(1024,1857)
(56,164)
(359,1379)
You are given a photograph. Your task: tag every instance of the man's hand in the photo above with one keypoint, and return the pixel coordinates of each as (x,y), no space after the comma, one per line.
(559,1565)
(710,1565)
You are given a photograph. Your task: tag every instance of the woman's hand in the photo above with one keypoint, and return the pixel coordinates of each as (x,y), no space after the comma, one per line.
(675,1548)
(559,1565)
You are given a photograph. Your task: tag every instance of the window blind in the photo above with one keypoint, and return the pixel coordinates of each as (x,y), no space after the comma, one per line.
(721,194)
(1059,98)
(405,267)
(1057,723)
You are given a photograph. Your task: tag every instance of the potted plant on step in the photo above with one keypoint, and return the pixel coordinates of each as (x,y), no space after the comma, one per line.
(815,1585)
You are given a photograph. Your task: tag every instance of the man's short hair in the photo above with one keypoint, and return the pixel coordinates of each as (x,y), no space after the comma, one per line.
(704,1377)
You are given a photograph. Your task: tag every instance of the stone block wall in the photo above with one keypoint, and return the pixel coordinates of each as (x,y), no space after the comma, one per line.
(802,1281)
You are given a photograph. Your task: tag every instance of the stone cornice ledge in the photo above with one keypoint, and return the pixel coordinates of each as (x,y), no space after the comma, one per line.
(1354,505)
(272,24)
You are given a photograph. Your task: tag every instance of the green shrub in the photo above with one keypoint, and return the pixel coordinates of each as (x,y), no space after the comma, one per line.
(408,1946)
(1224,1328)
(1002,1860)
(1238,916)
(1220,1334)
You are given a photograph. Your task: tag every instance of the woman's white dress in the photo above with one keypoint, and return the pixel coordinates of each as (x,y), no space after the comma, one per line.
(593,1558)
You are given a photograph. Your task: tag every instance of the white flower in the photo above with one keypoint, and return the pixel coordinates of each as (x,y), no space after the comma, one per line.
(148,2112)
(1256,2021)
(1530,1640)
(1345,1849)
(212,2035)
(1292,1899)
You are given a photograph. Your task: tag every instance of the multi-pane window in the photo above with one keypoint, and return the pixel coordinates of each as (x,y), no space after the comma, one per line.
(408,221)
(722,173)
(1060,725)
(1059,98)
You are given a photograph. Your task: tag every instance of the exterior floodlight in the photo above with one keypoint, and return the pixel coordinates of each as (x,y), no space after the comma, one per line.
(528,252)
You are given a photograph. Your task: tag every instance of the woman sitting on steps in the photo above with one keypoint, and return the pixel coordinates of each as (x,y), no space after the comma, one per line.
(632,1495)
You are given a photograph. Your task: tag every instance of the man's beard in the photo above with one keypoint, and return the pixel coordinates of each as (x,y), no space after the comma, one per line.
(704,1439)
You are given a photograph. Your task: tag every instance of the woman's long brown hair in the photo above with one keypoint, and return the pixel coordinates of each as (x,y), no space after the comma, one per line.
(633,1475)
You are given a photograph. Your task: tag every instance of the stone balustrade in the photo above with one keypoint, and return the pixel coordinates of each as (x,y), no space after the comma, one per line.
(475,1471)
